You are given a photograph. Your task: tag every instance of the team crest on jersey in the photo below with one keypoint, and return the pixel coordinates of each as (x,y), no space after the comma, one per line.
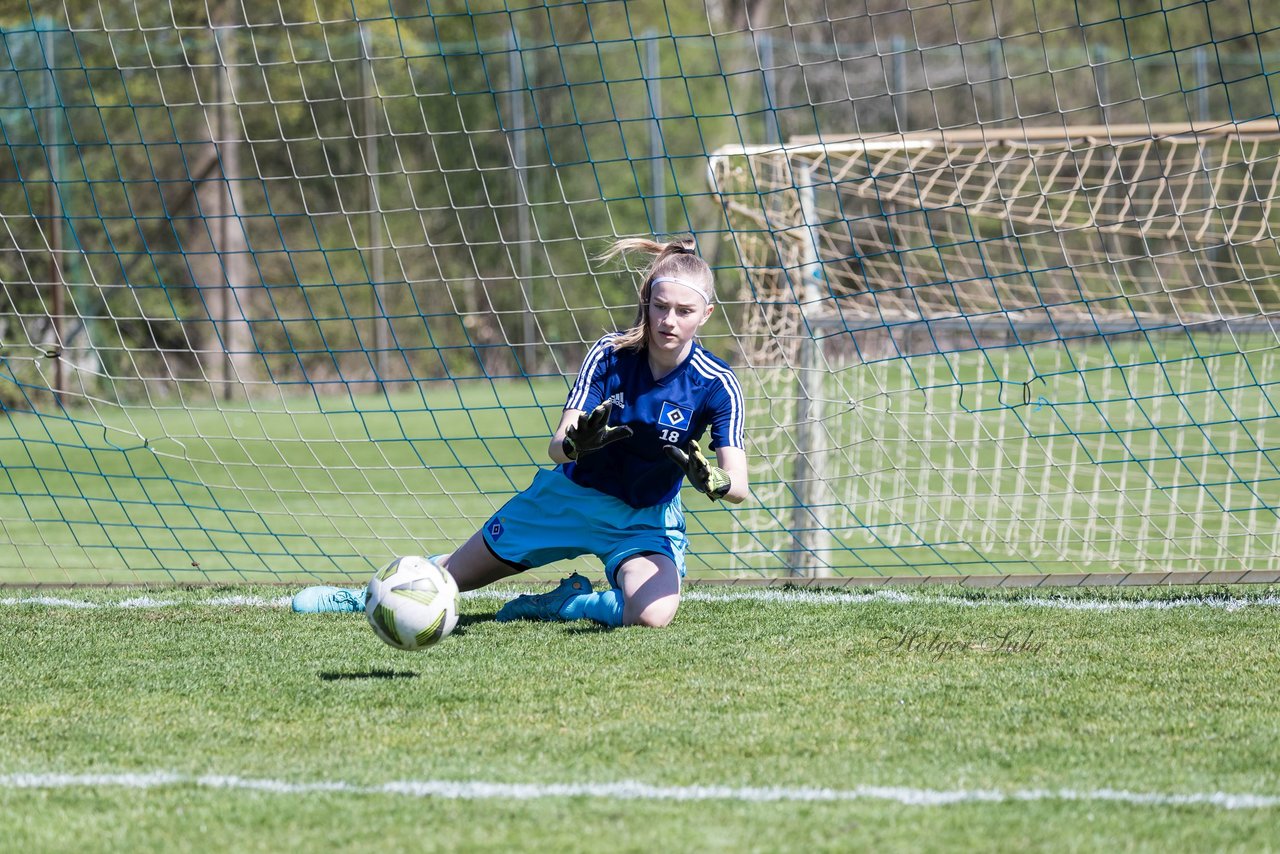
(495,528)
(674,416)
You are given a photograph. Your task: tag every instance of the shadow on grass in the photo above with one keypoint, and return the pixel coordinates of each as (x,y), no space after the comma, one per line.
(333,676)
(574,627)
(587,627)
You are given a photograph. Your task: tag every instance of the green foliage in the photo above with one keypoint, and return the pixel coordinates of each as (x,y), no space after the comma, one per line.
(137,193)
(609,109)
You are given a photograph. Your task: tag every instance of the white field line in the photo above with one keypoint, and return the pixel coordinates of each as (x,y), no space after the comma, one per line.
(630,791)
(802,597)
(1065,603)
(146,602)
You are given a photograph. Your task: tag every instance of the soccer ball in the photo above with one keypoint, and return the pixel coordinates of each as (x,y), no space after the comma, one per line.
(412,603)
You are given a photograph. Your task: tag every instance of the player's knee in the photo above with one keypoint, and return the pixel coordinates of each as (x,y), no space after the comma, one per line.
(655,615)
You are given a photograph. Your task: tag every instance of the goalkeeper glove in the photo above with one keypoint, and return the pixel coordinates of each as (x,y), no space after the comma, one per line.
(708,479)
(592,432)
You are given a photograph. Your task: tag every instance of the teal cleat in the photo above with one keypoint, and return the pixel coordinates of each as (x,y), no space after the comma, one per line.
(323,599)
(544,606)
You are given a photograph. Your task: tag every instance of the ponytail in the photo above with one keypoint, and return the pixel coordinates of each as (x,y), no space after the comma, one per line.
(677,259)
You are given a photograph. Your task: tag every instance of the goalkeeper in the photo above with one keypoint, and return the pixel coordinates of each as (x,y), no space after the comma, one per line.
(627,440)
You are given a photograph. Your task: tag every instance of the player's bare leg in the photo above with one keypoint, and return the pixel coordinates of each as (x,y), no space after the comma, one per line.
(650,590)
(473,566)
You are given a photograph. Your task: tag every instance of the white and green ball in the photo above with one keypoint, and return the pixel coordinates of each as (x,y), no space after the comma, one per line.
(412,603)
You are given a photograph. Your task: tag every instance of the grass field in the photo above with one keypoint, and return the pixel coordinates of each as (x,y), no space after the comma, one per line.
(214,719)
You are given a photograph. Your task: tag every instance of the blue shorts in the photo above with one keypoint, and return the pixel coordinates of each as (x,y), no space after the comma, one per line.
(556,519)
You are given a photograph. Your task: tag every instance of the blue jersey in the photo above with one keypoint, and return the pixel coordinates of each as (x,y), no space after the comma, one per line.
(701,392)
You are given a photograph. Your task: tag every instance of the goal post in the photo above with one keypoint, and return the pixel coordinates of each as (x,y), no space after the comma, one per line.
(1041,348)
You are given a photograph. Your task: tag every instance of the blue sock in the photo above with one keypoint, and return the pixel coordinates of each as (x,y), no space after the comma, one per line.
(604,607)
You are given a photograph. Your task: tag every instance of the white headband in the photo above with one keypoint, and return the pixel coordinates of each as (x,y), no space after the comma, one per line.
(683,283)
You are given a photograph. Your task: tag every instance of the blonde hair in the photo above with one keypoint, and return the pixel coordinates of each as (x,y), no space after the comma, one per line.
(675,260)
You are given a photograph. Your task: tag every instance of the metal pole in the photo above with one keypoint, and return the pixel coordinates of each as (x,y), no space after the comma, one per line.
(377,311)
(898,84)
(233,242)
(772,127)
(657,161)
(1202,83)
(998,75)
(221,232)
(53,232)
(809,517)
(1100,80)
(520,85)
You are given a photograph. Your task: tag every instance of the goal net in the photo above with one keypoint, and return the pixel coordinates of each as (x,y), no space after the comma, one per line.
(1037,346)
(288,289)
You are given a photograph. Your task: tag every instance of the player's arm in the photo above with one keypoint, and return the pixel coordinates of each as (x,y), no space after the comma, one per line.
(734,463)
(582,433)
(556,449)
(726,481)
